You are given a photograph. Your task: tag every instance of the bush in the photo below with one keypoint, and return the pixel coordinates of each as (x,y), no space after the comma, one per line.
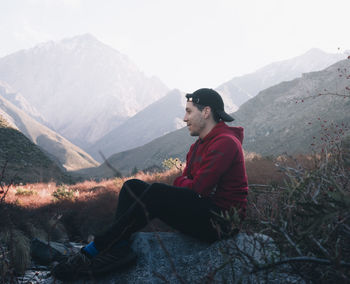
(25,192)
(63,193)
(309,218)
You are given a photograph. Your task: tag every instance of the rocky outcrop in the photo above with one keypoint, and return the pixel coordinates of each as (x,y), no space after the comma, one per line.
(176,258)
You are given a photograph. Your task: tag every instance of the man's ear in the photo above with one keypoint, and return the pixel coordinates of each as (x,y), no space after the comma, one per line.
(207,111)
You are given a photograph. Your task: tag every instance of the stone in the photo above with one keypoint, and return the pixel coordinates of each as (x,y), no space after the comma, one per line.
(44,252)
(177,258)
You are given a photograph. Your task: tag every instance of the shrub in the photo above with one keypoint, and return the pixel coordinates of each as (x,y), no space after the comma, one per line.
(63,193)
(25,192)
(309,218)
(172,163)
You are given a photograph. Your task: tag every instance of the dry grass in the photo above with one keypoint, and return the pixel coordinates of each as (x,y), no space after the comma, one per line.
(32,210)
(91,206)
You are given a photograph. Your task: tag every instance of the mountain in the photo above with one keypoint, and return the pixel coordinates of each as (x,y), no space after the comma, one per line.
(7,92)
(159,118)
(174,144)
(67,155)
(287,117)
(22,161)
(82,87)
(241,89)
(282,118)
(154,121)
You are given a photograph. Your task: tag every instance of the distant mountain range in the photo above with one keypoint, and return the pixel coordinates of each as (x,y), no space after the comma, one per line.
(158,119)
(23,161)
(287,117)
(166,114)
(89,93)
(66,155)
(81,87)
(241,89)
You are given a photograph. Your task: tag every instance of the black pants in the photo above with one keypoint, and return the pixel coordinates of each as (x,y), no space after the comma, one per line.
(140,202)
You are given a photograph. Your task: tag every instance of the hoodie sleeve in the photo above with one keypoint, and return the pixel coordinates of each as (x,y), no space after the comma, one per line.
(217,160)
(180,179)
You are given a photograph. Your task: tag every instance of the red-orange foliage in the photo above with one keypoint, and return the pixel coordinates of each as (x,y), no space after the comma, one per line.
(93,204)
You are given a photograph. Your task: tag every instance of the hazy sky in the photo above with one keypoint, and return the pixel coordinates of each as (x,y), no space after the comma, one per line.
(187,44)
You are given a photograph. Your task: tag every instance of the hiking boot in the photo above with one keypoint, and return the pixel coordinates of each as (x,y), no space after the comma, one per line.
(81,265)
(73,267)
(114,259)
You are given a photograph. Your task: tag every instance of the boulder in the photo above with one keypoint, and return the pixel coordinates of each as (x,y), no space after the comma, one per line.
(176,258)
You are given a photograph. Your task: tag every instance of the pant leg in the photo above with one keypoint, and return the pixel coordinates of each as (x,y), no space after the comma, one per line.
(129,216)
(140,202)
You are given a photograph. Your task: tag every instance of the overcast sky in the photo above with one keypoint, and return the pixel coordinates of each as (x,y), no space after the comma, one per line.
(187,44)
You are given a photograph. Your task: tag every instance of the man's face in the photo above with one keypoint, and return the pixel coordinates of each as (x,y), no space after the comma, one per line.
(194,119)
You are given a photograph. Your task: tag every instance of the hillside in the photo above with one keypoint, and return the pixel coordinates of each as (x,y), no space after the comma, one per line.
(166,114)
(241,89)
(158,119)
(283,118)
(60,149)
(24,161)
(82,87)
(288,116)
(174,144)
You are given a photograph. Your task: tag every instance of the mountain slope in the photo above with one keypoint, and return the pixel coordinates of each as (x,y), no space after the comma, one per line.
(274,123)
(241,89)
(148,124)
(65,153)
(174,144)
(81,86)
(286,117)
(7,92)
(23,161)
(154,121)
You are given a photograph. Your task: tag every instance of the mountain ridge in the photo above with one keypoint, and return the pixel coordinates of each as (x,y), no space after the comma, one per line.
(282,118)
(94,87)
(68,156)
(21,161)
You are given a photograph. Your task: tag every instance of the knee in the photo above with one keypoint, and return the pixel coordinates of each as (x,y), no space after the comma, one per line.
(133,185)
(156,189)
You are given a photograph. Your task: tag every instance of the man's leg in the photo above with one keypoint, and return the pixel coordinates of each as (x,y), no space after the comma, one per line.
(140,202)
(130,215)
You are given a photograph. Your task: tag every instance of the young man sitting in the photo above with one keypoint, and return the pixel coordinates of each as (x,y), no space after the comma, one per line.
(214,180)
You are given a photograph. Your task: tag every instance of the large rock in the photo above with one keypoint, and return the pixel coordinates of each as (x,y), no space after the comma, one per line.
(176,258)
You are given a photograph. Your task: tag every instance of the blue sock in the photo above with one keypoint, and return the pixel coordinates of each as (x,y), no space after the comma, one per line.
(91,249)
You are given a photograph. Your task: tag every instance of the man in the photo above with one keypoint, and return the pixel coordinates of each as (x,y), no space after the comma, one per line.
(213,180)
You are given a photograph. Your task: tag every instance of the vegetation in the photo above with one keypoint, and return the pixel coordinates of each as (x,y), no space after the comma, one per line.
(63,193)
(25,162)
(309,219)
(302,202)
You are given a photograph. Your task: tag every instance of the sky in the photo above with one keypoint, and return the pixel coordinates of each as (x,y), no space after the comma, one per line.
(188,44)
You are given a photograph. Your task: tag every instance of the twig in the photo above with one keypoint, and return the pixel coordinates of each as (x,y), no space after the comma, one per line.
(287,237)
(156,234)
(306,259)
(116,172)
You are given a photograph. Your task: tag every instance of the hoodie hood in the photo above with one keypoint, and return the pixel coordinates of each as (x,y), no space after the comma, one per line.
(221,128)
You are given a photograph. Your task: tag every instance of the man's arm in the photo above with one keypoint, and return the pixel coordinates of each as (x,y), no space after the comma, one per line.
(215,163)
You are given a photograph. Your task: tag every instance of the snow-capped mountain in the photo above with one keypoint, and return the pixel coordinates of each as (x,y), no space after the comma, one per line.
(81,86)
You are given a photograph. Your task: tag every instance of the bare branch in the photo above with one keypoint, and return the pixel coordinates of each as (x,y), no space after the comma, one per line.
(304,259)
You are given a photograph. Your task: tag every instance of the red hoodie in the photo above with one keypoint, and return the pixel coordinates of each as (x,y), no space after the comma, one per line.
(215,168)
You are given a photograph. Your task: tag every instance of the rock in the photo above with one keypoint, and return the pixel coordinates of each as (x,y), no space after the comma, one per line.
(176,258)
(44,253)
